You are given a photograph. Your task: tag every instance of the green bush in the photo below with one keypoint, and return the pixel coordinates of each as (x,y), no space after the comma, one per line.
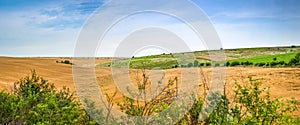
(273,63)
(260,64)
(36,101)
(67,62)
(176,66)
(196,63)
(202,64)
(252,105)
(190,65)
(281,63)
(208,64)
(227,63)
(247,63)
(235,63)
(295,60)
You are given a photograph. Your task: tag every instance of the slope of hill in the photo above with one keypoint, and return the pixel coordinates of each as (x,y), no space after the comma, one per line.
(168,61)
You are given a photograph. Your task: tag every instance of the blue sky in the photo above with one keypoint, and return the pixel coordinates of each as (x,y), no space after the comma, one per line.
(51,28)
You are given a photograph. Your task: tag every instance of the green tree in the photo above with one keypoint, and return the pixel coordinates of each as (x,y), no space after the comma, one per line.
(235,63)
(190,65)
(295,60)
(196,63)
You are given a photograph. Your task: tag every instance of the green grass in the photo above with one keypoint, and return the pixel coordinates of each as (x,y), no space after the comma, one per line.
(269,58)
(162,63)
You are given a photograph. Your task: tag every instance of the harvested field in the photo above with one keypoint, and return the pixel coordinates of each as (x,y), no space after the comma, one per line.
(284,82)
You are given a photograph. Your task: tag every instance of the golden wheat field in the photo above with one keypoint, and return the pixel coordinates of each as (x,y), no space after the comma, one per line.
(283,82)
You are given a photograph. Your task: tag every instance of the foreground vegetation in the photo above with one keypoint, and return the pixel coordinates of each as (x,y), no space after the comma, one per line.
(36,101)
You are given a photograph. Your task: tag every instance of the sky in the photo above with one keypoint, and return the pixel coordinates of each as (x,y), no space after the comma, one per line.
(51,28)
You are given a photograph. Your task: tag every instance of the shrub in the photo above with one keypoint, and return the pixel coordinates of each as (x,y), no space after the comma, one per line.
(202,64)
(208,64)
(281,63)
(8,107)
(295,60)
(67,62)
(260,64)
(247,63)
(250,63)
(273,63)
(134,108)
(235,63)
(227,63)
(196,63)
(252,105)
(190,65)
(176,66)
(36,101)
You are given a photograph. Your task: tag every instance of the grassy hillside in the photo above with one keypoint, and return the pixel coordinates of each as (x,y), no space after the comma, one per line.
(268,58)
(167,61)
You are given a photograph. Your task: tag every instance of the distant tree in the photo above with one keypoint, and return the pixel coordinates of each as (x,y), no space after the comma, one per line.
(196,63)
(176,66)
(242,63)
(208,64)
(273,63)
(247,63)
(67,62)
(295,60)
(202,64)
(190,65)
(227,63)
(260,64)
(235,63)
(281,62)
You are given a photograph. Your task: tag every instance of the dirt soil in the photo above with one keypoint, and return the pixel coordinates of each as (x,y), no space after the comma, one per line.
(283,82)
